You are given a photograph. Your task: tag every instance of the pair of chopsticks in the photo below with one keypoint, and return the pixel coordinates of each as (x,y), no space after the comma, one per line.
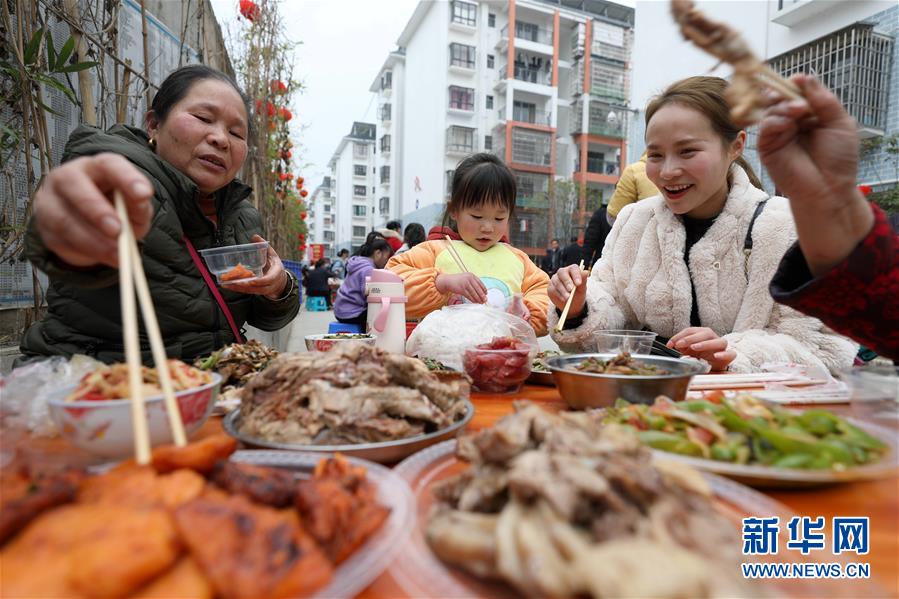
(567,305)
(455,254)
(131,276)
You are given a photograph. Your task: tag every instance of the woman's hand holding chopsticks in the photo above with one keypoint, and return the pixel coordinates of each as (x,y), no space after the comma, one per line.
(74,213)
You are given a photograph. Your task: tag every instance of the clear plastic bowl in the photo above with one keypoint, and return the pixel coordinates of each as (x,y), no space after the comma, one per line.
(616,341)
(224,260)
(497,370)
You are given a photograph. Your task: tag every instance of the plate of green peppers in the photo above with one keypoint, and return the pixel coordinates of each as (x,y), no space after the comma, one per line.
(759,444)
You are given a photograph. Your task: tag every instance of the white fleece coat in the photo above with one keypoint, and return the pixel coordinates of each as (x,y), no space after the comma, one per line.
(642,280)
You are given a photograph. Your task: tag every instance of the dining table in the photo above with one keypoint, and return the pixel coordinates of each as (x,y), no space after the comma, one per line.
(878,499)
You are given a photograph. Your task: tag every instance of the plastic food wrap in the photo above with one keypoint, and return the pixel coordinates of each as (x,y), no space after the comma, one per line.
(444,335)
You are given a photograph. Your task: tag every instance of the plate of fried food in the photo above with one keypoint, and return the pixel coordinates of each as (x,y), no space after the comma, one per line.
(355,399)
(760,444)
(236,363)
(561,505)
(202,521)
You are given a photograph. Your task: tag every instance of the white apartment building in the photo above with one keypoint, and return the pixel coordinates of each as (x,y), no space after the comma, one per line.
(389,160)
(850,46)
(354,186)
(321,218)
(544,84)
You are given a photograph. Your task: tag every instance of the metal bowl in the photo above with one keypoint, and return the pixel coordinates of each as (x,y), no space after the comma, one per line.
(384,452)
(587,390)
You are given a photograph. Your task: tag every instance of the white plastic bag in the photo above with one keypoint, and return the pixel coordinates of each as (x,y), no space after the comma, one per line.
(444,335)
(26,389)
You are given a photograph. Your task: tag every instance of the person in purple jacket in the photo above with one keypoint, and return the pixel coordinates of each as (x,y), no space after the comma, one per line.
(351,305)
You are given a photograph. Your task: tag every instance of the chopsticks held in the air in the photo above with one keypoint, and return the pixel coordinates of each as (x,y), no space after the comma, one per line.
(455,254)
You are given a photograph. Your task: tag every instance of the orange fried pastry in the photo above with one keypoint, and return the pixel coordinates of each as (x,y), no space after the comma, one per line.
(85,550)
(142,487)
(22,499)
(249,551)
(184,580)
(200,455)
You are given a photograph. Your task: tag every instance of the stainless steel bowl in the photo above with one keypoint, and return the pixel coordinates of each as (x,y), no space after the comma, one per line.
(385,452)
(587,390)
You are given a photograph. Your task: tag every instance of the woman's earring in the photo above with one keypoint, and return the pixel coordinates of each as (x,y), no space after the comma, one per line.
(152,142)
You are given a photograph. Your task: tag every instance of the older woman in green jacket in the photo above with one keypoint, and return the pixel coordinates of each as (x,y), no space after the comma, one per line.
(178,180)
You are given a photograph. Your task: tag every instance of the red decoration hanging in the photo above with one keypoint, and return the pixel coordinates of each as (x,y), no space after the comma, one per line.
(248,9)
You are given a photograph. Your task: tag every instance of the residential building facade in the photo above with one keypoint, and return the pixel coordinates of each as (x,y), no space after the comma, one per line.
(543,84)
(322,217)
(353,186)
(850,46)
(389,153)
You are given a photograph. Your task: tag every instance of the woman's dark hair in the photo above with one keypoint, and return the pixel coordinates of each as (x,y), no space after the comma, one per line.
(343,252)
(479,179)
(374,242)
(394,225)
(179,82)
(320,262)
(706,96)
(413,235)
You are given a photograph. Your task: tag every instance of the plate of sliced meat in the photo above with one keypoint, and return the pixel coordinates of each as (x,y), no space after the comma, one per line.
(354,399)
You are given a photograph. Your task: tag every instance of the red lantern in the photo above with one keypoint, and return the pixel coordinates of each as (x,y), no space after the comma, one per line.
(303,215)
(278,87)
(283,176)
(300,181)
(285,114)
(248,9)
(304,193)
(865,189)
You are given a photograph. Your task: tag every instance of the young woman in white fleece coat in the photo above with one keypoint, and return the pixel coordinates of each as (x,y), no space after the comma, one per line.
(708,199)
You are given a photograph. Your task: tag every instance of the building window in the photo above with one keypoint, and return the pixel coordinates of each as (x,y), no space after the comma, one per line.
(489,102)
(384,205)
(360,151)
(465,13)
(387,80)
(490,60)
(359,190)
(385,174)
(488,143)
(461,98)
(449,182)
(327,207)
(385,112)
(526,31)
(462,55)
(854,63)
(491,20)
(524,112)
(385,143)
(329,235)
(358,210)
(358,231)
(460,139)
(359,170)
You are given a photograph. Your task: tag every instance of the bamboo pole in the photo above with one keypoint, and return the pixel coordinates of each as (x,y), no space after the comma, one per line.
(143,25)
(85,87)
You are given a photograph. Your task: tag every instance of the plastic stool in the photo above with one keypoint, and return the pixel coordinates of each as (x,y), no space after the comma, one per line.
(316,303)
(344,327)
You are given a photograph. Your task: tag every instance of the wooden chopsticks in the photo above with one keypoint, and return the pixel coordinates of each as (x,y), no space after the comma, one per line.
(455,254)
(567,305)
(131,277)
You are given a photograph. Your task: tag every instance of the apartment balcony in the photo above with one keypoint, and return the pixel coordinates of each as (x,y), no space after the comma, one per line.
(531,147)
(534,117)
(460,140)
(855,64)
(528,36)
(384,114)
(607,120)
(526,74)
(603,167)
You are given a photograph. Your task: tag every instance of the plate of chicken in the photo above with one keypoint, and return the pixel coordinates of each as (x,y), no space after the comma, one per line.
(354,399)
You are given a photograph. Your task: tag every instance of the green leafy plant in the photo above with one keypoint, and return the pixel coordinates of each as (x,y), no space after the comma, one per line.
(39,71)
